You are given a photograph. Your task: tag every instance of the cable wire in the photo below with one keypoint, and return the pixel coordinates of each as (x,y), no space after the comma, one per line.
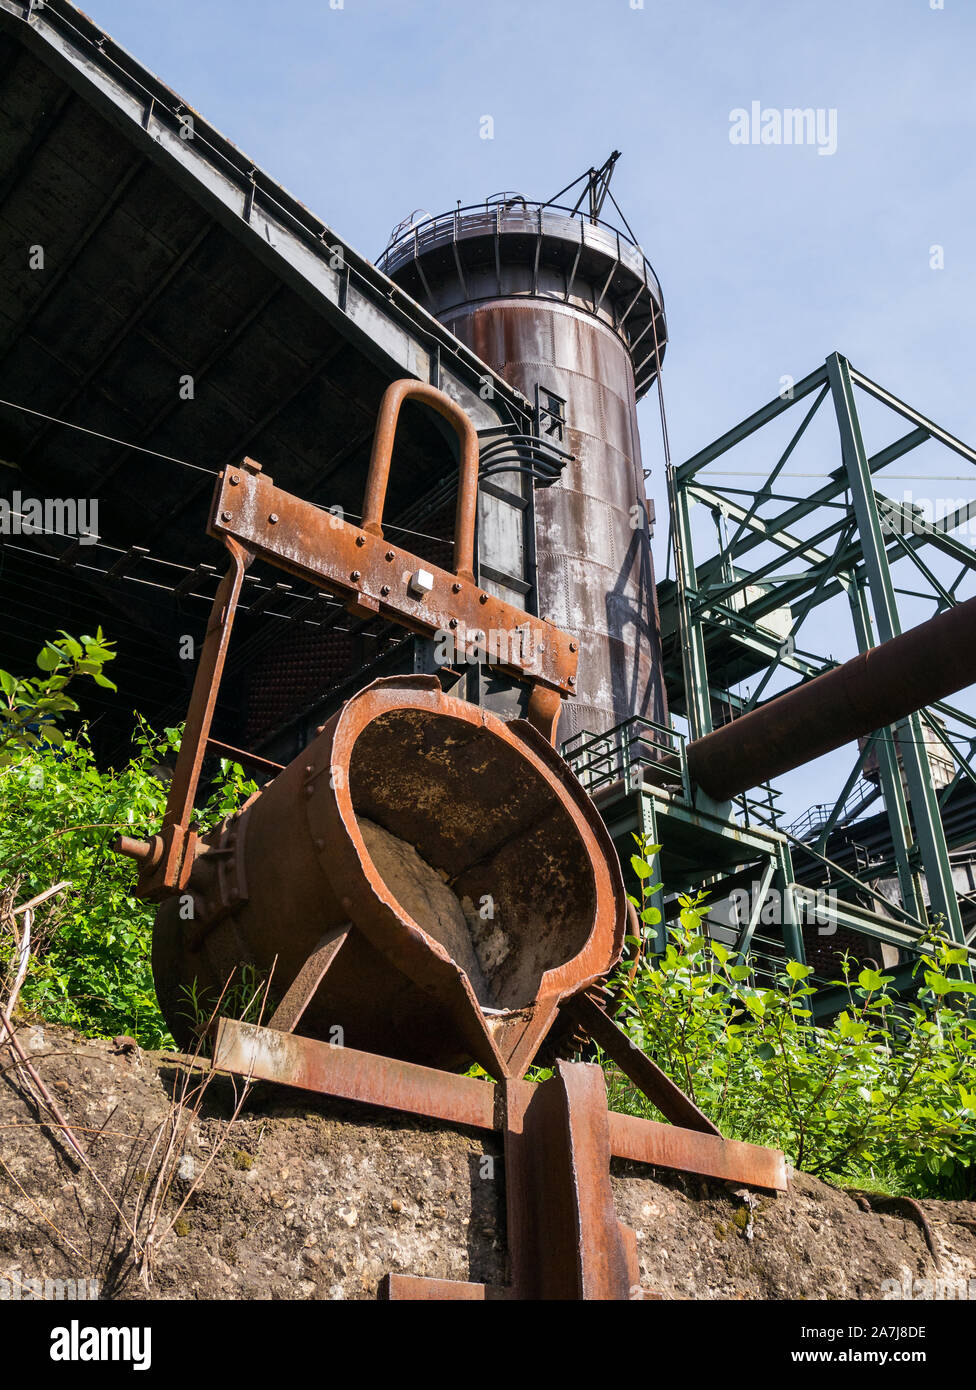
(97,434)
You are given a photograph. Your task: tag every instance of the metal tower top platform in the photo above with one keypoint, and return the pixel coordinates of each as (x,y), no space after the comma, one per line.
(511,245)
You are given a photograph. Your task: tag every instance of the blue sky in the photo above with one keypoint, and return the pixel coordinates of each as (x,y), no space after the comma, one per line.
(770,256)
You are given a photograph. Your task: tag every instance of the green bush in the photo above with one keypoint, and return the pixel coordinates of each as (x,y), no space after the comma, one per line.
(90,966)
(883,1095)
(33,707)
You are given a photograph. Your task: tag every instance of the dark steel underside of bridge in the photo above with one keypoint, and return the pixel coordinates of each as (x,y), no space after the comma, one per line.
(167,258)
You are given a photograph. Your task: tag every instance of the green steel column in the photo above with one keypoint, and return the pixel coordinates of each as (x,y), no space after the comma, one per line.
(918,776)
(694,668)
(641,819)
(902,838)
(783,881)
(655,935)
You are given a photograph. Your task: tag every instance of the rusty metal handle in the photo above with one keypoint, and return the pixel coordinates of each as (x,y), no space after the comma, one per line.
(379,466)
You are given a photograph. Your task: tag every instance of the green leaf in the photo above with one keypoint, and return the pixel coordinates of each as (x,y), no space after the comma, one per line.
(640,868)
(938,983)
(49,658)
(873,979)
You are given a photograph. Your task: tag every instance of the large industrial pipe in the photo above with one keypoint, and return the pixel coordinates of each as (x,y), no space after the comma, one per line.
(480,883)
(873,690)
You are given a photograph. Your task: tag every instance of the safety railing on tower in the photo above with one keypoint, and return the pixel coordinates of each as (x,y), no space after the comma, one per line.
(631,754)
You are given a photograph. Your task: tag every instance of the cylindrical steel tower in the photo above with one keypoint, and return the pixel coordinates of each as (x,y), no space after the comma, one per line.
(567,310)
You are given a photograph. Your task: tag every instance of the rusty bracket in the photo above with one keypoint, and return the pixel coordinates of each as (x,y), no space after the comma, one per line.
(301,991)
(166,859)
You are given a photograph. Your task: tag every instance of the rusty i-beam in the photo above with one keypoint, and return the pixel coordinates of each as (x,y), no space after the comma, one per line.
(291,885)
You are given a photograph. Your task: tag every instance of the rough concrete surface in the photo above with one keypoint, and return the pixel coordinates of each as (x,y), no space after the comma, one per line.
(309,1199)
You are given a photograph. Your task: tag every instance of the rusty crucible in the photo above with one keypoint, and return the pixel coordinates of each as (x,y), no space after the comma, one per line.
(481,886)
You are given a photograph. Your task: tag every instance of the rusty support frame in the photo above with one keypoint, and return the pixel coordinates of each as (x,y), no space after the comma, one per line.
(565,1241)
(263,1054)
(373,576)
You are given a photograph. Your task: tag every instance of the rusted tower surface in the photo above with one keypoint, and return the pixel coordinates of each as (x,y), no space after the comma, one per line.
(566,309)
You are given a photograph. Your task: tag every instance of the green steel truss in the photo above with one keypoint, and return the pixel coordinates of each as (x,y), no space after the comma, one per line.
(770,560)
(756,567)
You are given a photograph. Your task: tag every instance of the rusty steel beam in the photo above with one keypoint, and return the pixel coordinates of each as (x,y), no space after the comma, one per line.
(668,1146)
(166,859)
(564,1239)
(290,1060)
(186,774)
(569,1243)
(374,576)
(248,1050)
(646,1075)
(415,1289)
(872,691)
(298,996)
(241,755)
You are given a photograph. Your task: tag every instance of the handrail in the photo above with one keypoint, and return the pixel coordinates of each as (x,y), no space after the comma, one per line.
(432,227)
(600,760)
